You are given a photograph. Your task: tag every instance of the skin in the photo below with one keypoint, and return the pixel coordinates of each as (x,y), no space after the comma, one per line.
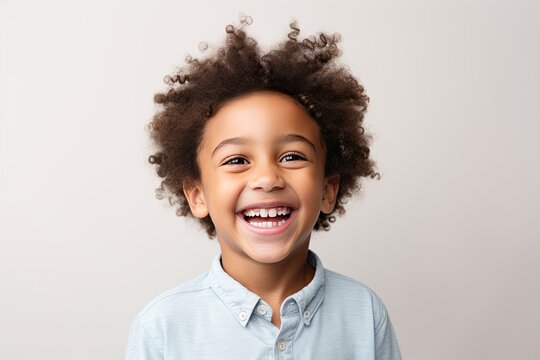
(263,150)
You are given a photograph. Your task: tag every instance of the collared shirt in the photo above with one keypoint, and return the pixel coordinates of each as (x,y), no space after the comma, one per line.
(215,317)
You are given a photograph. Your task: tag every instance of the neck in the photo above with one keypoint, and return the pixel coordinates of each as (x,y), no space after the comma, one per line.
(272,282)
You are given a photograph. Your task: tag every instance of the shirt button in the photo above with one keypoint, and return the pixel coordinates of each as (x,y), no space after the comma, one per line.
(281,345)
(307,314)
(262,310)
(242,315)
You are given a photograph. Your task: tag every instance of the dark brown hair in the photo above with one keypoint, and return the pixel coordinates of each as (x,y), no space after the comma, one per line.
(304,69)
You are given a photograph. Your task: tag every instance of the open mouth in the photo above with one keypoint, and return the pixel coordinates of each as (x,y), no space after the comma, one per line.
(267,217)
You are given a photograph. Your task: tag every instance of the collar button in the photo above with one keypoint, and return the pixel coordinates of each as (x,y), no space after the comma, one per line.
(262,310)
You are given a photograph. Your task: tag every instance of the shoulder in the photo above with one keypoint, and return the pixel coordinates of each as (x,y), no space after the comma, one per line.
(352,293)
(176,300)
(146,336)
(336,282)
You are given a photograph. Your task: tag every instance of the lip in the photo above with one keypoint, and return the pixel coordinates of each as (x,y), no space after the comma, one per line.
(267,231)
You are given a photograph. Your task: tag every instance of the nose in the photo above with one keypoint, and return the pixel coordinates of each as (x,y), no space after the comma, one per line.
(266,177)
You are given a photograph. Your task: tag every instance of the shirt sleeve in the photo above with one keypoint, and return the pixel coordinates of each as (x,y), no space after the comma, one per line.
(143,343)
(386,345)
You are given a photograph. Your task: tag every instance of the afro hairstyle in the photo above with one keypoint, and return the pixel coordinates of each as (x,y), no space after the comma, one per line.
(305,70)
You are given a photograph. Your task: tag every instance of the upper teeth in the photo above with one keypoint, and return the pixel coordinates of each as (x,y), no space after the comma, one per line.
(268,212)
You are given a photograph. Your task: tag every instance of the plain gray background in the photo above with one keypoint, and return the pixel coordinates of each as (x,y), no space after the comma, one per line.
(449,237)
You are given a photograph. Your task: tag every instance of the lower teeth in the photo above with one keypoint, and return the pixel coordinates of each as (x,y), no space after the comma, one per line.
(267,224)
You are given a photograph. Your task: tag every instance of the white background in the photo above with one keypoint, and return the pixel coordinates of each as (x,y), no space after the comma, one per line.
(449,238)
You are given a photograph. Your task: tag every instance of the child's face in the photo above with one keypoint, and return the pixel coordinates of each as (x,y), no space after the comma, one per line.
(262,162)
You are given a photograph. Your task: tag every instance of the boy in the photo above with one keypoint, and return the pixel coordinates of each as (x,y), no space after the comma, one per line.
(263,150)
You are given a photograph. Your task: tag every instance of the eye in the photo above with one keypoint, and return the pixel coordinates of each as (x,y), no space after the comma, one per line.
(292,156)
(234,160)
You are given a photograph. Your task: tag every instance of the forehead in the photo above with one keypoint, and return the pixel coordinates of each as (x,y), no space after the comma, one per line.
(261,114)
(260,100)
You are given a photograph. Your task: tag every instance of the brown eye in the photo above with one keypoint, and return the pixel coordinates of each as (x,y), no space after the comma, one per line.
(235,161)
(292,157)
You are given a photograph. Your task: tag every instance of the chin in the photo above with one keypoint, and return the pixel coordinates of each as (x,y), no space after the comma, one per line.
(269,254)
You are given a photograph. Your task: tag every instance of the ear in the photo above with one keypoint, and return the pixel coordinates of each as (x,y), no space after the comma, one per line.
(331,188)
(195,196)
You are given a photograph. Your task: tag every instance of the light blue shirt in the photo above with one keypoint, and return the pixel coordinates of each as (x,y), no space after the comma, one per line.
(215,317)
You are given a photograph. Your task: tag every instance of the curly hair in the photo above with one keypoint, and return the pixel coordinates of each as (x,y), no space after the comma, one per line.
(304,69)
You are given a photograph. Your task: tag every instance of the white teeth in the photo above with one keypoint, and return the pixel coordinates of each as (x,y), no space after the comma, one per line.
(256,215)
(267,224)
(268,212)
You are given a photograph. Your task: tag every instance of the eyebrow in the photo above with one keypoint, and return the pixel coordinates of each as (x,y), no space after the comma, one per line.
(232,141)
(285,139)
(295,138)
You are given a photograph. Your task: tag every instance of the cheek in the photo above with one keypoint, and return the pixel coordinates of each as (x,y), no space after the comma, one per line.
(228,185)
(309,187)
(223,192)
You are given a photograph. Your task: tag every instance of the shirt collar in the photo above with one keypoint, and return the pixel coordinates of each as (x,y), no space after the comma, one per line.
(241,302)
(310,297)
